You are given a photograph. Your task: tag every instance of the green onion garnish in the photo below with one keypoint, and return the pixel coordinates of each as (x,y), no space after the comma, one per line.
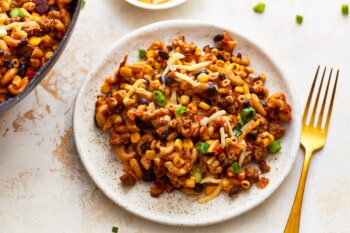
(142,53)
(237,132)
(161,102)
(181,110)
(198,176)
(248,114)
(236,167)
(159,98)
(16,12)
(203,147)
(240,124)
(274,147)
(259,8)
(157,94)
(299,19)
(345,9)
(115,229)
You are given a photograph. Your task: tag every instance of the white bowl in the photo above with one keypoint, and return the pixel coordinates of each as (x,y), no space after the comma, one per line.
(165,5)
(176,208)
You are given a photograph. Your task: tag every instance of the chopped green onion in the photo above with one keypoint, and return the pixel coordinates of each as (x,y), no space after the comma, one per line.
(142,53)
(115,229)
(198,176)
(248,114)
(203,147)
(236,167)
(274,147)
(161,102)
(240,124)
(157,94)
(345,9)
(16,12)
(299,19)
(259,8)
(159,98)
(83,4)
(181,110)
(237,132)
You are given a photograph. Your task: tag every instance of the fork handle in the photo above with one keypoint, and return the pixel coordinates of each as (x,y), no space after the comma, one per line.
(294,217)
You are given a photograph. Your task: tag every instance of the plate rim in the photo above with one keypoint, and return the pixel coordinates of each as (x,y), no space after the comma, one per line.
(162,24)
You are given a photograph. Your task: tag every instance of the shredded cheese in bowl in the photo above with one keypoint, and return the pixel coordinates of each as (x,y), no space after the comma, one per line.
(156,4)
(154,1)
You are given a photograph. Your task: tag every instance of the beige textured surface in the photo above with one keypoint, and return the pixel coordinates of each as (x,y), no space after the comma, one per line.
(44,186)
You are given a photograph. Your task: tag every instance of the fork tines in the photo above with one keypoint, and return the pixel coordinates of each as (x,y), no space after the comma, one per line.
(322,91)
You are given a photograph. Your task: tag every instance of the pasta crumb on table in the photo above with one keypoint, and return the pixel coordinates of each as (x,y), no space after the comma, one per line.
(198,120)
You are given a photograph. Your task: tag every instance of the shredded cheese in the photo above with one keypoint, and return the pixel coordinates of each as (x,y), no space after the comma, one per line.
(186,78)
(135,88)
(142,91)
(173,97)
(249,126)
(213,145)
(214,194)
(222,137)
(20,25)
(210,180)
(171,61)
(230,130)
(242,156)
(206,120)
(192,67)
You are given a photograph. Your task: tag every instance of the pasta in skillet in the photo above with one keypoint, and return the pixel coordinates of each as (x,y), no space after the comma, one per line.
(193,119)
(30,31)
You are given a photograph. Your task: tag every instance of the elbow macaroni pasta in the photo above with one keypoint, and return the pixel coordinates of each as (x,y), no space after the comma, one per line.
(30,31)
(194,141)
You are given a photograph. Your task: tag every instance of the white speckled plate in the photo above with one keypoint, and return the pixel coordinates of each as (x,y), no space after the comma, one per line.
(160,6)
(175,208)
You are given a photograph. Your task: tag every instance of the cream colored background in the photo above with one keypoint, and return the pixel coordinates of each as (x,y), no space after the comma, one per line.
(44,186)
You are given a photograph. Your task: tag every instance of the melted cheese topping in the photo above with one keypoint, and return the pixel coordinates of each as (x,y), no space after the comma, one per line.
(230,129)
(210,180)
(172,60)
(135,88)
(192,67)
(222,137)
(206,120)
(184,77)
(173,97)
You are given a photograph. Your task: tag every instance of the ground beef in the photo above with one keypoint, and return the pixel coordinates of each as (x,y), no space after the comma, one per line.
(252,174)
(128,179)
(259,153)
(263,166)
(155,191)
(263,125)
(45,24)
(115,139)
(276,130)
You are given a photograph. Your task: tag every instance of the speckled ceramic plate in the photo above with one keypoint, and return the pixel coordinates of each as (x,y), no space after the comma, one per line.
(159,6)
(175,208)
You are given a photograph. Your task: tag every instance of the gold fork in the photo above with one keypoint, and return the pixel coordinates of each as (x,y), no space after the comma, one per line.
(313,138)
